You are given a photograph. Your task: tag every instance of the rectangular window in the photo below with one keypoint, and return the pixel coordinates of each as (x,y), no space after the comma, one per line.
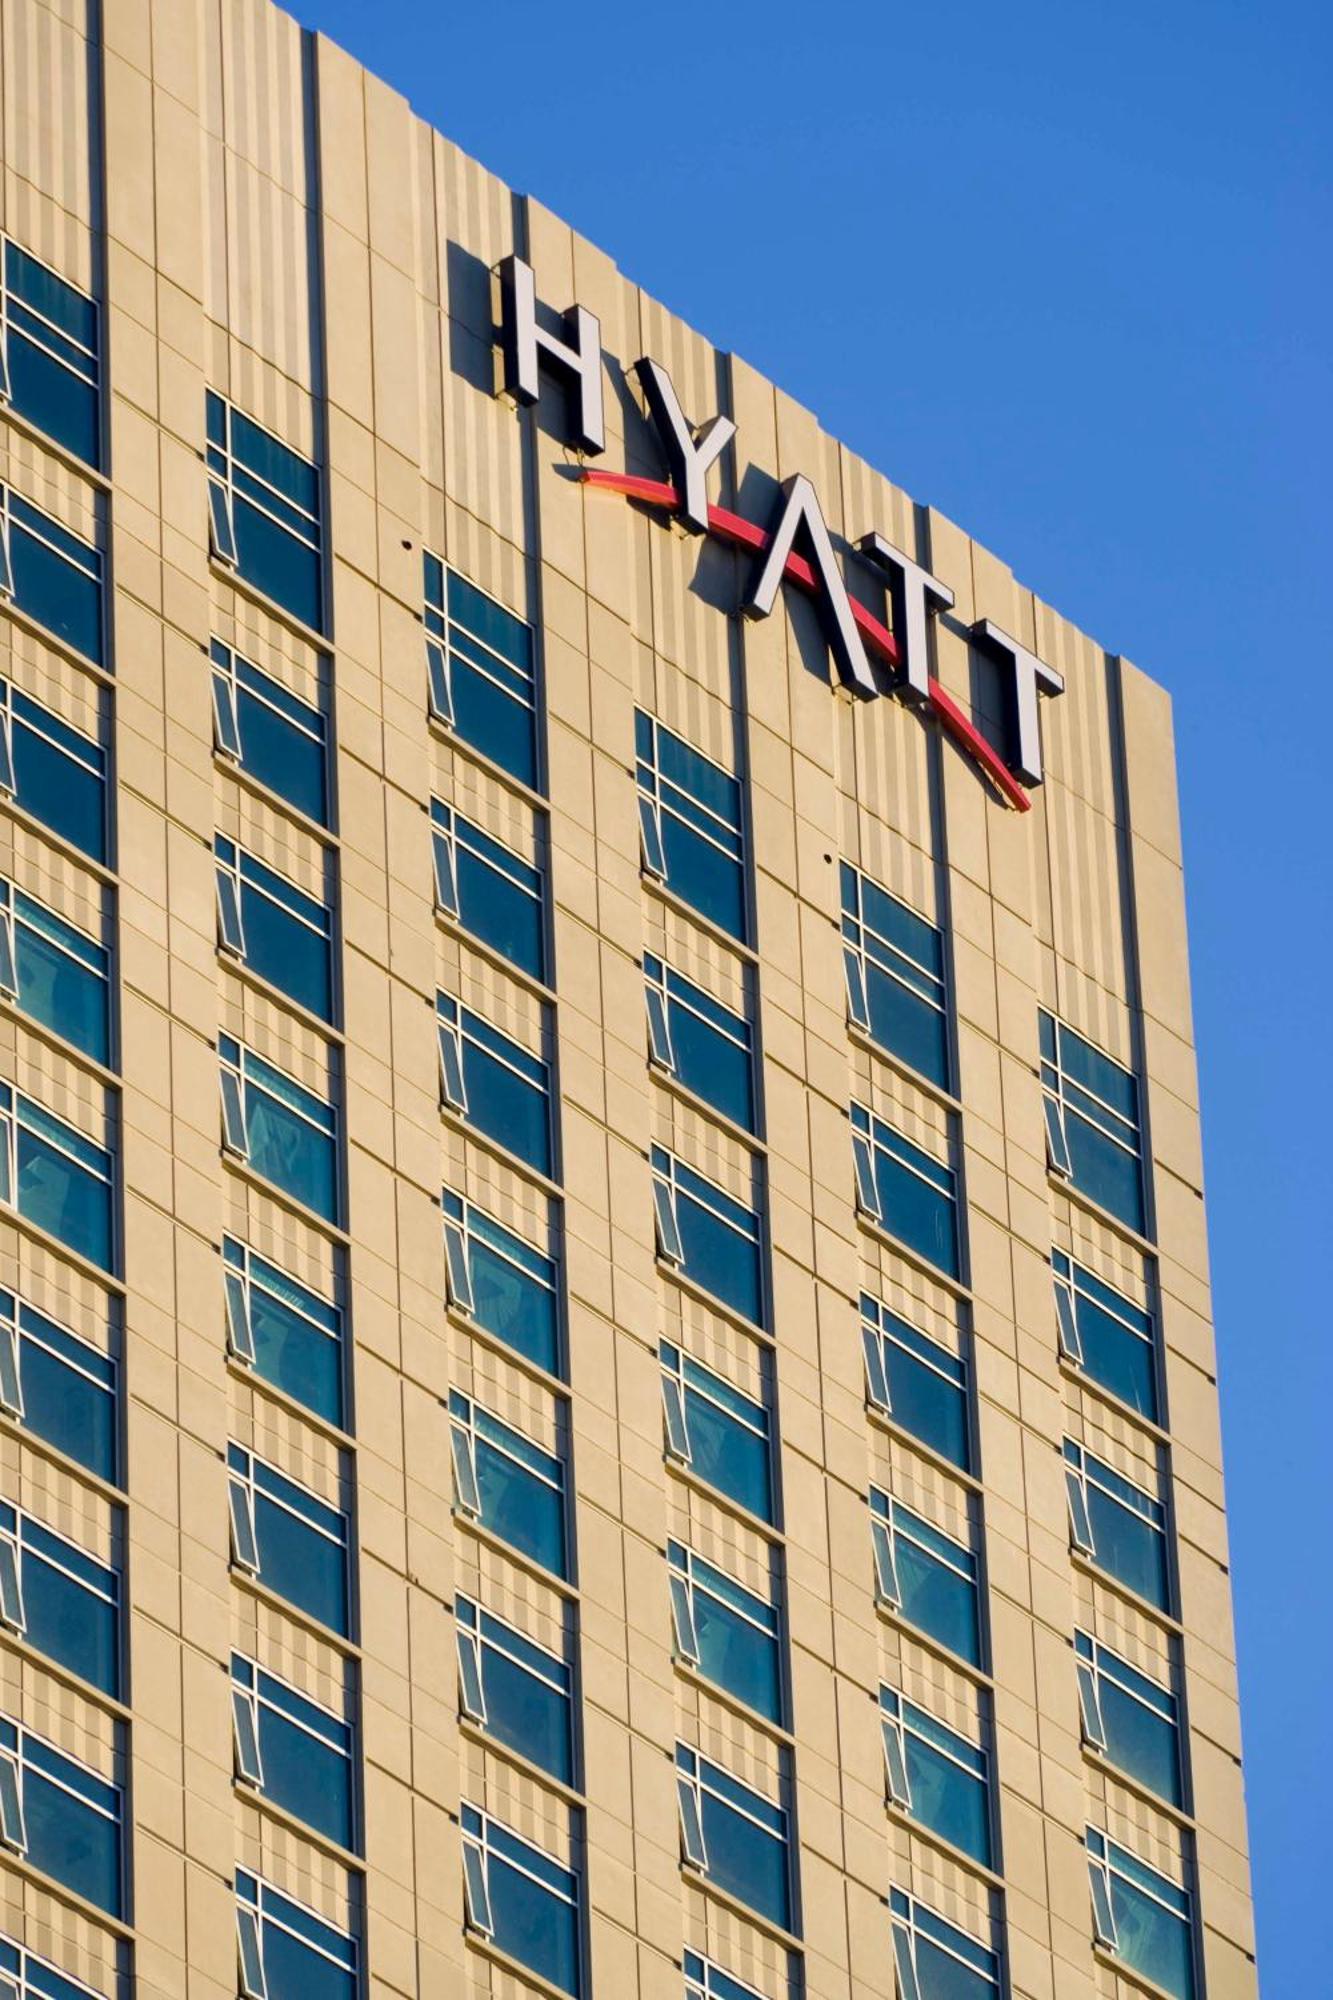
(287,1334)
(712,1237)
(936,1775)
(56,1178)
(1099,1331)
(510,1485)
(1141,1916)
(519,1899)
(906,1190)
(914,1380)
(495,1084)
(700,1042)
(734,1836)
(269,734)
(1093,1138)
(1129,1718)
(293,1750)
(49,354)
(481,672)
(936,1961)
(283,1131)
(264,512)
(725,1632)
(61,1600)
(51,575)
(285,1952)
(57,1386)
(926,1577)
(706,1981)
(52,771)
(293,1542)
(894,965)
(489,890)
(54,972)
(273,927)
(515,1690)
(501,1282)
(720,1434)
(1117,1525)
(690,826)
(24,1976)
(61,1817)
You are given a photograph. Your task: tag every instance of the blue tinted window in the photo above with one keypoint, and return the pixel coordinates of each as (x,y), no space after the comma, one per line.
(265,511)
(502,1282)
(275,928)
(70,1603)
(935,1960)
(936,1775)
(53,576)
(905,1190)
(1128,1717)
(303,1958)
(72,1819)
(305,1753)
(1094,1104)
(506,1091)
(49,362)
(1117,1524)
(706,1981)
(274,737)
(516,1490)
(716,1239)
(720,1434)
(34,1979)
(481,671)
(516,1690)
(1114,1341)
(894,962)
(725,1631)
(690,813)
(61,976)
(914,1380)
(286,1133)
(291,1337)
(1149,1916)
(300,1542)
(53,771)
(927,1577)
(489,890)
(742,1837)
(520,1899)
(701,1043)
(65,1390)
(55,1177)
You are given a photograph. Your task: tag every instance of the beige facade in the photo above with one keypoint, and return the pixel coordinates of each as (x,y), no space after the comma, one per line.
(258,217)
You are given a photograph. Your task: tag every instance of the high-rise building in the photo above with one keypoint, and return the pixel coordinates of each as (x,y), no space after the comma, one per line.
(604,1324)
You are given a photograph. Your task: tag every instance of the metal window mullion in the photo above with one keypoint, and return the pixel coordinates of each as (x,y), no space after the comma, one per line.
(858,1008)
(877,1375)
(6,557)
(231,921)
(651,847)
(660,1047)
(453,1086)
(1057,1140)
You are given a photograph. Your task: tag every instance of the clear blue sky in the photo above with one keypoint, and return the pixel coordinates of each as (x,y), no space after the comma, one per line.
(1060,268)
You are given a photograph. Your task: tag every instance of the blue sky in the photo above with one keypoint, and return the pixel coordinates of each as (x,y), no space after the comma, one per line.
(1062,271)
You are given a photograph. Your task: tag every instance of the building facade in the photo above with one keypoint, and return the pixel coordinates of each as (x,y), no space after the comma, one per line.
(606,1381)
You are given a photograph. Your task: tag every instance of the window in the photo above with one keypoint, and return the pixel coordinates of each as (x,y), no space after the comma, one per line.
(285,1952)
(57,1386)
(54,972)
(481,672)
(725,1632)
(519,1899)
(706,1981)
(894,965)
(1117,1525)
(51,575)
(268,733)
(508,1484)
(52,771)
(60,1600)
(1093,1138)
(56,1178)
(487,889)
(690,826)
(936,1775)
(1100,1332)
(270,925)
(936,1961)
(287,1334)
(1141,1916)
(734,1836)
(1129,1718)
(61,1817)
(905,1190)
(283,1131)
(514,1689)
(719,1433)
(294,1543)
(700,1042)
(713,1238)
(292,1749)
(501,1282)
(914,1380)
(926,1577)
(264,512)
(24,1976)
(48,354)
(495,1084)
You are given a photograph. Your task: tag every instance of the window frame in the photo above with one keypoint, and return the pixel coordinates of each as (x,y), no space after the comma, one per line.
(727,838)
(19,709)
(478,1828)
(900,1719)
(1103,1873)
(244,1486)
(1096,1663)
(244,1271)
(442,649)
(464,1431)
(863,945)
(693,1786)
(236,1064)
(9,329)
(677,1387)
(255,1689)
(280,510)
(882,1328)
(478,1630)
(1076,1459)
(232,674)
(453,832)
(1073,1282)
(13,918)
(456,1026)
(907,1928)
(240,872)
(21,1536)
(891,1521)
(667,992)
(873,1139)
(465,1224)
(1061,1092)
(669,1189)
(15,1329)
(83,558)
(254,1895)
(689,1576)
(16,1738)
(14,1103)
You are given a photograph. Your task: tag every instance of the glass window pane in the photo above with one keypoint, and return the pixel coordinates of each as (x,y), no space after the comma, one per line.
(58,776)
(71,1605)
(538,1928)
(305,1774)
(514,1291)
(69,1838)
(68,1393)
(57,578)
(62,977)
(56,1191)
(749,1862)
(938,1599)
(301,1564)
(519,1507)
